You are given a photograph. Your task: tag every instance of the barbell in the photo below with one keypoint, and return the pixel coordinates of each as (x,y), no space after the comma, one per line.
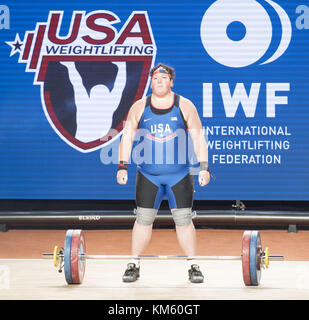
(72,258)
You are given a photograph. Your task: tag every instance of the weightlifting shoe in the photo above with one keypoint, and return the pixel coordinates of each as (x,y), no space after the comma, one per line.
(131,274)
(195,274)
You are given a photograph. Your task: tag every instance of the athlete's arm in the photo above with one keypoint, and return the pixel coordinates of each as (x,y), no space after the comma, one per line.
(129,132)
(195,129)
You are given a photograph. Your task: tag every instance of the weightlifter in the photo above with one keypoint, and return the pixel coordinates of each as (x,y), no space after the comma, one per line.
(164,116)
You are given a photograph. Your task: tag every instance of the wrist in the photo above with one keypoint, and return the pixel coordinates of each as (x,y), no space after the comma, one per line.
(204,166)
(123,165)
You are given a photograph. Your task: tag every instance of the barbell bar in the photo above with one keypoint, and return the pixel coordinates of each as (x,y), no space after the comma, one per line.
(72,258)
(155,257)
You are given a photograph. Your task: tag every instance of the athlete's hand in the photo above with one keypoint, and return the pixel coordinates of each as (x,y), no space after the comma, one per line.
(203,178)
(122,176)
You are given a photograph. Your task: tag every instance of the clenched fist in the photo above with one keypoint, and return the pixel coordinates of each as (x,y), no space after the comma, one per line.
(122,176)
(203,178)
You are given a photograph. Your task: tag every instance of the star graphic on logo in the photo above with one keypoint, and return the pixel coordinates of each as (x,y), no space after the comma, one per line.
(15,45)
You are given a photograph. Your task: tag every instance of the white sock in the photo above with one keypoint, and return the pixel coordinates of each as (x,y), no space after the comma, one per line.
(135,261)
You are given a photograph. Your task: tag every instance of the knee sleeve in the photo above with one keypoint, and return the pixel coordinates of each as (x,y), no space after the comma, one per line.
(145,216)
(183,216)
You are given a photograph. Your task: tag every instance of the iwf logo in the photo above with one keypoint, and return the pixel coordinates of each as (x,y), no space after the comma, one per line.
(254,35)
(89,78)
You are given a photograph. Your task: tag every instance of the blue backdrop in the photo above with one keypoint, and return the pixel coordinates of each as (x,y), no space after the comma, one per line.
(245,68)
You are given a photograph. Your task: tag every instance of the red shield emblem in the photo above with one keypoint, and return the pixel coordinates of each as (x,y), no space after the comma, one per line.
(91,77)
(87,102)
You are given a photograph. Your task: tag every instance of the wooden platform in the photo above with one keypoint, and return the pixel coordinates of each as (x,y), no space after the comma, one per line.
(160,280)
(24,275)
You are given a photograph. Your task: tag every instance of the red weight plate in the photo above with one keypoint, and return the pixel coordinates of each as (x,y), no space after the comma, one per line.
(78,263)
(246,257)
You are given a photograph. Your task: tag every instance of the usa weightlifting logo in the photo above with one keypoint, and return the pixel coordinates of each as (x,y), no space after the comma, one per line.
(89,78)
(254,32)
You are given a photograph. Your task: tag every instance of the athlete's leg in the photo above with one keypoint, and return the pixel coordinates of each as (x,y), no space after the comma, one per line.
(141,236)
(187,238)
(180,197)
(148,199)
(142,229)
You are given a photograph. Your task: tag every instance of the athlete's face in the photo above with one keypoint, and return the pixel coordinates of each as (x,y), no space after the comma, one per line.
(161,84)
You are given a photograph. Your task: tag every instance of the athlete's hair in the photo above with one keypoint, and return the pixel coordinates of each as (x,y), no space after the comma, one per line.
(170,70)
